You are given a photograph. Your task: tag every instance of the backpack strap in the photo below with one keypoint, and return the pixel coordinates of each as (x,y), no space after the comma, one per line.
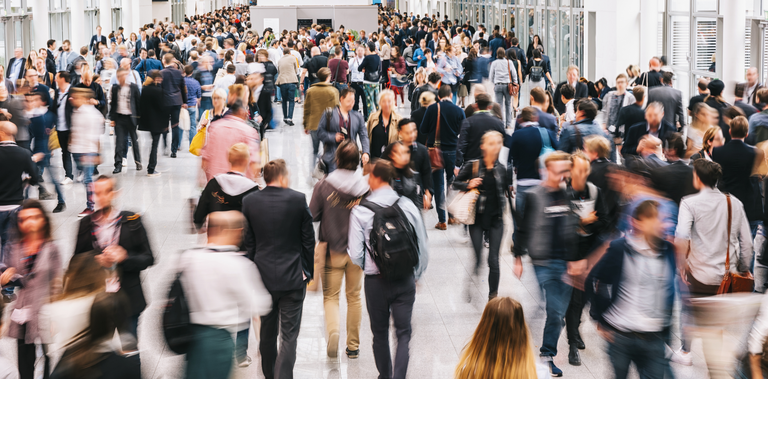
(544,137)
(370,205)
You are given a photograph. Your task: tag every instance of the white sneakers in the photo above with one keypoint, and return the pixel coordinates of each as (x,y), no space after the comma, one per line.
(66,181)
(682,357)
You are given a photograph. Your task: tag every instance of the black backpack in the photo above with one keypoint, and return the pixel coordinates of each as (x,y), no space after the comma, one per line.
(394,247)
(176,326)
(537,72)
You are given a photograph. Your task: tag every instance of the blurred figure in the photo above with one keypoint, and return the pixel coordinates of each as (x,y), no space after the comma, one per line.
(703,244)
(648,157)
(62,109)
(91,355)
(410,159)
(15,162)
(346,123)
(704,117)
(240,295)
(675,179)
(333,199)
(226,191)
(547,231)
(321,97)
(597,150)
(87,128)
(388,295)
(712,139)
(174,96)
(654,125)
(124,115)
(152,117)
(573,135)
(41,123)
(632,290)
(223,134)
(7,369)
(500,347)
(489,177)
(34,268)
(122,246)
(282,244)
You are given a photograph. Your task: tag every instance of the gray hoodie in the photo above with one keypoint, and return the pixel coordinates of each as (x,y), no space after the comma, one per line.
(332,202)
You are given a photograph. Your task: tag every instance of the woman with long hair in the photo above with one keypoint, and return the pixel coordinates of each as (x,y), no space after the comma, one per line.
(398,72)
(713,137)
(382,124)
(512,56)
(385,52)
(703,118)
(633,72)
(130,44)
(536,43)
(500,347)
(33,267)
(31,59)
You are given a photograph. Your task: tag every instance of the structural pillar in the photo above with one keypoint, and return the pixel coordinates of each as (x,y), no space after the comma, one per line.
(77,24)
(734,14)
(129,22)
(105,17)
(40,22)
(649,29)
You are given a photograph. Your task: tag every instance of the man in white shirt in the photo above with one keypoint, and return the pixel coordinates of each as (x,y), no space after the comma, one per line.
(228,79)
(86,128)
(131,78)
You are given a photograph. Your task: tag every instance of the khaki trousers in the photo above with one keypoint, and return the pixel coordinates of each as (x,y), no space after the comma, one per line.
(338,266)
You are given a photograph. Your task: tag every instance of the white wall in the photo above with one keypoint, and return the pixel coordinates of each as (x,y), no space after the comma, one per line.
(352,17)
(314,2)
(161,11)
(617,36)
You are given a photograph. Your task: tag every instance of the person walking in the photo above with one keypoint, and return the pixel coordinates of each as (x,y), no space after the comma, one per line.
(223,134)
(287,81)
(371,68)
(502,74)
(320,97)
(152,117)
(382,124)
(124,113)
(174,97)
(85,142)
(282,244)
(338,125)
(474,128)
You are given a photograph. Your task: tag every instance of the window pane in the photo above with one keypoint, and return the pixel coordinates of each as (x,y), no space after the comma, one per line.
(2,43)
(682,82)
(706,44)
(748,45)
(565,41)
(551,44)
(681,36)
(578,41)
(679,5)
(706,5)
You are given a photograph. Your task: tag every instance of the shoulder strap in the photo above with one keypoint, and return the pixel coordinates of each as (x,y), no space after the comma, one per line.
(370,205)
(437,129)
(509,71)
(728,239)
(544,137)
(336,76)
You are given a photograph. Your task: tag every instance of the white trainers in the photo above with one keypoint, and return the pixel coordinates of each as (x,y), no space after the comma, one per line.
(154,174)
(66,181)
(682,357)
(245,363)
(125,162)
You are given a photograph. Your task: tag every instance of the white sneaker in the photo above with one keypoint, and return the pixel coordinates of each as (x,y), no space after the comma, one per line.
(66,181)
(245,363)
(125,162)
(154,174)
(682,357)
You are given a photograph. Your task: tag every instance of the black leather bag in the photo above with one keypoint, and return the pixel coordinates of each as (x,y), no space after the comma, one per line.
(176,324)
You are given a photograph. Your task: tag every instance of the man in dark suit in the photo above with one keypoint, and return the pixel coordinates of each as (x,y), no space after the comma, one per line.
(61,107)
(473,128)
(143,42)
(675,180)
(632,114)
(448,118)
(740,103)
(263,101)
(93,45)
(50,62)
(35,86)
(671,98)
(15,69)
(518,52)
(573,79)
(174,96)
(123,112)
(121,242)
(281,242)
(654,124)
(737,160)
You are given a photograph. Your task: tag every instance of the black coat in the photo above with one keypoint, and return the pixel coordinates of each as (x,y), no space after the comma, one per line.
(640,130)
(280,237)
(737,160)
(629,116)
(472,130)
(21,69)
(54,109)
(135,103)
(600,168)
(133,238)
(674,180)
(98,94)
(581,92)
(153,118)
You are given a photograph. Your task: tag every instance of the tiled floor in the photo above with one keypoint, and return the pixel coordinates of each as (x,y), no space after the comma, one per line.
(443,318)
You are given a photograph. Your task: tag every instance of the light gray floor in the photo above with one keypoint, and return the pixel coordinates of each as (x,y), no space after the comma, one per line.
(443,320)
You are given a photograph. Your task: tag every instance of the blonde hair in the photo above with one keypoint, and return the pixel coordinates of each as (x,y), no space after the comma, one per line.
(238,154)
(599,145)
(426,99)
(556,156)
(500,347)
(492,136)
(709,135)
(386,93)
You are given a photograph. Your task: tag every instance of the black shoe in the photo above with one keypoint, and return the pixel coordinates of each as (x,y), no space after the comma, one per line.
(173,155)
(60,207)
(138,166)
(44,195)
(578,342)
(554,370)
(353,354)
(573,356)
(96,171)
(116,171)
(290,122)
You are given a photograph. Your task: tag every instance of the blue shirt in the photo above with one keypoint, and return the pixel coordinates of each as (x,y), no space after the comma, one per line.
(194,91)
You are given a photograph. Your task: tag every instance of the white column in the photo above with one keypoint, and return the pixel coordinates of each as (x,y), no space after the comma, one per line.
(734,14)
(105,17)
(649,22)
(77,24)
(40,22)
(129,22)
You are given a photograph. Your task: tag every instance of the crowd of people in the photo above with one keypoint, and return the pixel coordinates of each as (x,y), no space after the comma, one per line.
(615,197)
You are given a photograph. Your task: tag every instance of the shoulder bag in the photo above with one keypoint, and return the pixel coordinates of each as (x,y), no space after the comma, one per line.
(198,142)
(435,154)
(463,207)
(733,282)
(512,88)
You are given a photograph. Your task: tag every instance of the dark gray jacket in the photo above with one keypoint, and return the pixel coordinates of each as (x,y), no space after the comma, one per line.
(327,132)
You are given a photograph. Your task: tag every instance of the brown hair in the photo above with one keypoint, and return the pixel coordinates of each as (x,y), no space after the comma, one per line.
(84,276)
(348,155)
(739,127)
(37,205)
(383,170)
(639,93)
(709,135)
(538,95)
(599,145)
(275,169)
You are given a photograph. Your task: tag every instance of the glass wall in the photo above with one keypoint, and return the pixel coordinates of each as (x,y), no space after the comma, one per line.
(15,28)
(91,20)
(59,19)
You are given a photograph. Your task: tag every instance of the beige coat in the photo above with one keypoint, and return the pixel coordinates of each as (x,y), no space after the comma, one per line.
(320,96)
(287,70)
(373,121)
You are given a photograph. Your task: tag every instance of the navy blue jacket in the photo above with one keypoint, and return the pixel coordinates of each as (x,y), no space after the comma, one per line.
(547,120)
(494,45)
(452,117)
(603,283)
(524,150)
(633,135)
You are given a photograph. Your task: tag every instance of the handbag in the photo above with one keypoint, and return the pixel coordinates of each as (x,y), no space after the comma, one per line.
(512,87)
(184,122)
(733,282)
(463,207)
(199,140)
(53,140)
(177,327)
(435,154)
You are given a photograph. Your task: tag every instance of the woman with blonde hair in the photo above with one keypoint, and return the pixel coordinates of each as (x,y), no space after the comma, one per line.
(633,71)
(385,52)
(382,124)
(704,117)
(500,348)
(712,138)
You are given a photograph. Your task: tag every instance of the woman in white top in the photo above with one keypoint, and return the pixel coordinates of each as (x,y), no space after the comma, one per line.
(704,116)
(429,62)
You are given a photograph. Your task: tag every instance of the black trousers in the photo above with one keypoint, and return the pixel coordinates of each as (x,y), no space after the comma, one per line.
(573,316)
(125,129)
(27,356)
(384,299)
(66,156)
(153,151)
(284,320)
(495,235)
(360,95)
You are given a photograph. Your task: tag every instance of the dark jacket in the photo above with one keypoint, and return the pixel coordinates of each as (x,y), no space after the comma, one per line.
(720,107)
(98,94)
(581,92)
(547,120)
(327,132)
(629,116)
(737,160)
(672,100)
(174,88)
(264,107)
(600,168)
(603,284)
(747,108)
(638,131)
(472,131)
(269,76)
(135,103)
(415,105)
(108,366)
(153,115)
(418,117)
(134,239)
(535,230)
(224,192)
(494,45)
(332,201)
(524,150)
(450,125)
(93,45)
(461,183)
(591,237)
(280,237)
(674,180)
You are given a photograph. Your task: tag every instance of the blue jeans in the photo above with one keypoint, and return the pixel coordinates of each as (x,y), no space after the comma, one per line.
(288,93)
(206,103)
(505,100)
(192,123)
(84,162)
(315,144)
(646,351)
(7,227)
(173,112)
(558,296)
(442,179)
(241,345)
(519,207)
(46,163)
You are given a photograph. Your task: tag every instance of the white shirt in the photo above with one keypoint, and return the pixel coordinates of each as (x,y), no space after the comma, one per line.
(225,81)
(124,100)
(132,78)
(87,127)
(355,75)
(298,57)
(275,54)
(61,121)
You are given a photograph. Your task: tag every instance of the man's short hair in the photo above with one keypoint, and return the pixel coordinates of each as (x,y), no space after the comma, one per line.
(383,170)
(84,51)
(444,92)
(168,58)
(528,114)
(656,105)
(588,108)
(275,169)
(230,68)
(238,154)
(762,95)
(599,145)
(348,155)
(646,209)
(50,42)
(65,76)
(323,74)
(675,142)
(707,171)
(483,101)
(346,92)
(434,78)
(739,127)
(567,91)
(404,122)
(639,93)
(667,77)
(539,95)
(703,84)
